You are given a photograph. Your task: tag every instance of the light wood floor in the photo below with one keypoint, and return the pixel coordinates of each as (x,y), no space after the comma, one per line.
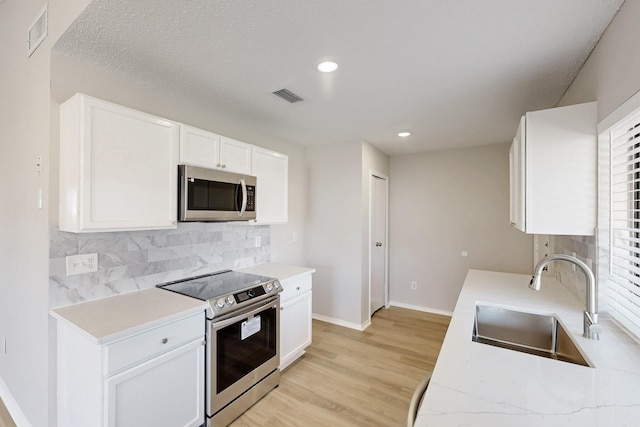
(352,378)
(5,418)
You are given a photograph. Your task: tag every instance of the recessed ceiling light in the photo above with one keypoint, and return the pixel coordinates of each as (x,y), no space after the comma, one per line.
(327,67)
(404,134)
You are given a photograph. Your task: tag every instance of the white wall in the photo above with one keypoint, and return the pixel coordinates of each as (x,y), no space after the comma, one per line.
(443,203)
(334,230)
(338,228)
(373,160)
(611,75)
(24,240)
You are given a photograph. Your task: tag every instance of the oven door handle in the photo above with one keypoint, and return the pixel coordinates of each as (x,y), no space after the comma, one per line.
(237,316)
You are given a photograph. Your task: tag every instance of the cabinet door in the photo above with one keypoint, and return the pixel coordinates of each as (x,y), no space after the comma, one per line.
(199,147)
(118,168)
(517,178)
(561,170)
(295,328)
(235,156)
(272,198)
(166,391)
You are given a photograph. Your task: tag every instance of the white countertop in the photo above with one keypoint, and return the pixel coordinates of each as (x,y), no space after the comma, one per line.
(107,319)
(277,271)
(476,384)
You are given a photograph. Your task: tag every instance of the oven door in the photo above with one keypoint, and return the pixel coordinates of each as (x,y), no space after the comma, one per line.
(243,349)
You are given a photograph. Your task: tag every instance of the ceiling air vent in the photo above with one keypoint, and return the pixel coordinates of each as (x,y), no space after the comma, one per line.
(37,31)
(288,96)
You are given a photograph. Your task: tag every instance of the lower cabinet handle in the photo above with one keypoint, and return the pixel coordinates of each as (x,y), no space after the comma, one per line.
(165,340)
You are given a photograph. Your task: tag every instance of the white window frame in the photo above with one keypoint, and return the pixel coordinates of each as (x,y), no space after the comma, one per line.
(606,276)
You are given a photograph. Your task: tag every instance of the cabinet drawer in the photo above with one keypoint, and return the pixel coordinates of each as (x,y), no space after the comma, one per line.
(296,287)
(149,343)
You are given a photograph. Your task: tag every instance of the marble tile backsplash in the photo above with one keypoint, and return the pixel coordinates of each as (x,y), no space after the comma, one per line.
(585,248)
(134,260)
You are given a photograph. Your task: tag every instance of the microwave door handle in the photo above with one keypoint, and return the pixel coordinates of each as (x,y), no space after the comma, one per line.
(244,197)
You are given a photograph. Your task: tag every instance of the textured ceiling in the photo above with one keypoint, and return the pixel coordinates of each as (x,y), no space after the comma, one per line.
(454,73)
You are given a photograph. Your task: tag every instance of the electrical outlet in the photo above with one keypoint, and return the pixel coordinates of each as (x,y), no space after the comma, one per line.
(81,264)
(258,241)
(295,236)
(414,286)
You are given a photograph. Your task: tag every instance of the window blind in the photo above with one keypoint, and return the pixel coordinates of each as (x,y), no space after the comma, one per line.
(624,232)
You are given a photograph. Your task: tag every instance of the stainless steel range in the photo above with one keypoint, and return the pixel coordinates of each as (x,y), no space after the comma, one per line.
(242,333)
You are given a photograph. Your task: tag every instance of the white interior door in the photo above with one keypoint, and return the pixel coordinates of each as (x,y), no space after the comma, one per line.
(378,242)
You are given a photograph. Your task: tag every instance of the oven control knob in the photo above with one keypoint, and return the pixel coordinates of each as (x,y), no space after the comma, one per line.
(269,287)
(230,300)
(276,285)
(220,303)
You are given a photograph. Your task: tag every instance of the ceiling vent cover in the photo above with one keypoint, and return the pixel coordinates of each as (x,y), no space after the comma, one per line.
(37,31)
(288,96)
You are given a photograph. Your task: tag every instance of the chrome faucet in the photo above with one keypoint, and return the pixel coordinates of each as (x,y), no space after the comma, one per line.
(591,327)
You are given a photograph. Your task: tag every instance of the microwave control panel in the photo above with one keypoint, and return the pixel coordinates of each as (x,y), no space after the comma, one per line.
(251,198)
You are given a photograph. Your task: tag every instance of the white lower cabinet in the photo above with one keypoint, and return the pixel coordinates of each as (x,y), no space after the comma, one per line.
(154,377)
(170,379)
(295,319)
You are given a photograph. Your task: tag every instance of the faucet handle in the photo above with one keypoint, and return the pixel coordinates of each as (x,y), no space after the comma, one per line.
(595,329)
(591,327)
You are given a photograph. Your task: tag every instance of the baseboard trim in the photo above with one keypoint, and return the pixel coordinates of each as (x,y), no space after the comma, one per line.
(420,308)
(12,406)
(341,322)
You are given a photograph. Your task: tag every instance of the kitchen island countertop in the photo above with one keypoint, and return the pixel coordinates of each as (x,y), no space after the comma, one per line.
(475,384)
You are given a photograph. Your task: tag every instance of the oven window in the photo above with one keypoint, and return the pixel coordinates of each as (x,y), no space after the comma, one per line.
(238,357)
(212,195)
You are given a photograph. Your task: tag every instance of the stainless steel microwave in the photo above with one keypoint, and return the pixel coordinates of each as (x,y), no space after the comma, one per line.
(213,195)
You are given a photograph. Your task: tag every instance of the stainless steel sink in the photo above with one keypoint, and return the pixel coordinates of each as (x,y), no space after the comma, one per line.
(537,334)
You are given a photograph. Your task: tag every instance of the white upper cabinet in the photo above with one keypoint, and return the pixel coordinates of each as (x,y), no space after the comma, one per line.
(272,195)
(118,168)
(199,147)
(235,156)
(553,179)
(516,178)
(209,150)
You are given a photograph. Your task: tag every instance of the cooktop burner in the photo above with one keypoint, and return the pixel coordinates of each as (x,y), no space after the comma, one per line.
(225,290)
